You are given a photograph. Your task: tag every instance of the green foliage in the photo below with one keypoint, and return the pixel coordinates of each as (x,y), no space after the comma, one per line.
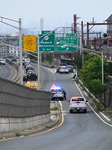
(93,70)
(47,57)
(20,134)
(109,110)
(77,60)
(91,74)
(33,56)
(54,108)
(47,126)
(97,104)
(85,46)
(97,88)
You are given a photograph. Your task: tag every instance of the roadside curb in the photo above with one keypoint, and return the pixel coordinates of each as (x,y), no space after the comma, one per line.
(55,117)
(104,117)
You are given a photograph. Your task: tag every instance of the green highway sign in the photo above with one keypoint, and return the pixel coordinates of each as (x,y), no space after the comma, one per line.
(67,43)
(46,41)
(72,34)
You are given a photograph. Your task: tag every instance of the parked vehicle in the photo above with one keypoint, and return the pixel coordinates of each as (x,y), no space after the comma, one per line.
(59,93)
(78,104)
(70,68)
(63,69)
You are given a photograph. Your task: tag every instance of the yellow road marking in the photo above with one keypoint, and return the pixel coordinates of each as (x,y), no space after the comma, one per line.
(62,121)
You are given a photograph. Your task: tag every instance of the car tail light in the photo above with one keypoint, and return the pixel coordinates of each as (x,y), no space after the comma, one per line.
(85,104)
(70,105)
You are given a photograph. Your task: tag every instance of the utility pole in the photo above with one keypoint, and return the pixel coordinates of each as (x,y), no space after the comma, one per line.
(93,24)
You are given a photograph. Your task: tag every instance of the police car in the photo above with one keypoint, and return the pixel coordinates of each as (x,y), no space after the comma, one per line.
(63,69)
(58,93)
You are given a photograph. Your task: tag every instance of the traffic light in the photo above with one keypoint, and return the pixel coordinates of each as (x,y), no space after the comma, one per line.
(105,35)
(105,42)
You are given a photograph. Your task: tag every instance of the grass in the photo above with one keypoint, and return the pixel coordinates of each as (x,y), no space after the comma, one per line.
(54,108)
(47,126)
(20,134)
(109,110)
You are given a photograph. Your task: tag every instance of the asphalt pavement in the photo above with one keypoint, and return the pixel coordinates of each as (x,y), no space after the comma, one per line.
(55,117)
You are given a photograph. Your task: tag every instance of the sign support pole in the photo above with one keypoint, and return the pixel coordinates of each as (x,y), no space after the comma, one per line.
(38,62)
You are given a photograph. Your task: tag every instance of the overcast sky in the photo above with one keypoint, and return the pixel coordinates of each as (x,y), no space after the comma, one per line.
(55,13)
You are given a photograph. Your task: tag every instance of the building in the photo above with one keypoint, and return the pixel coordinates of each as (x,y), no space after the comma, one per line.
(109,27)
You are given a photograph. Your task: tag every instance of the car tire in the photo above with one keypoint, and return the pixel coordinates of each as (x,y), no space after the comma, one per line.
(85,110)
(71,111)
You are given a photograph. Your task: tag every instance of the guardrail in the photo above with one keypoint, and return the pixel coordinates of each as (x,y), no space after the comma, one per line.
(17,77)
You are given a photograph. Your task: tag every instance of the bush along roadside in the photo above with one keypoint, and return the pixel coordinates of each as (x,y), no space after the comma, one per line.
(20,134)
(99,105)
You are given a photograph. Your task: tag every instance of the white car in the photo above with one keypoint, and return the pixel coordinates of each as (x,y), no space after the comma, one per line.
(27,60)
(58,93)
(78,104)
(63,69)
(2,61)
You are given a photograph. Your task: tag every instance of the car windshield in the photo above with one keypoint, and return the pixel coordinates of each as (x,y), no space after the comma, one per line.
(69,66)
(77,99)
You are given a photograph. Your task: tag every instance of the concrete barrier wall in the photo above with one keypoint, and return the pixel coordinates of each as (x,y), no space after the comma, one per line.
(21,107)
(20,124)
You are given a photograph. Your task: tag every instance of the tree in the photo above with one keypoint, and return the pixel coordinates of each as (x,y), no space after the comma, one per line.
(97,88)
(91,74)
(77,61)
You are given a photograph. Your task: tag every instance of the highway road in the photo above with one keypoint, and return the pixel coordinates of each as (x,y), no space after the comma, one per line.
(80,131)
(7,71)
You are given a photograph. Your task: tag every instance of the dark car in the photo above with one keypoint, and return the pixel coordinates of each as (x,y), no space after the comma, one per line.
(30,72)
(29,67)
(70,68)
(14,59)
(25,77)
(25,64)
(32,77)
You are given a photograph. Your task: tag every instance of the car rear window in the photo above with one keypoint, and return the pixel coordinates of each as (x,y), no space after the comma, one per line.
(77,99)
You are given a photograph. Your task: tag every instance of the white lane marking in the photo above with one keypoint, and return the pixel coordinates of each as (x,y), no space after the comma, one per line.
(105,116)
(96,112)
(99,116)
(53,72)
(90,107)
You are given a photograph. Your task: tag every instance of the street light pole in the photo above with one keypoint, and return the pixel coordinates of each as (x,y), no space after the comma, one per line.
(102,68)
(38,62)
(20,41)
(20,45)
(81,50)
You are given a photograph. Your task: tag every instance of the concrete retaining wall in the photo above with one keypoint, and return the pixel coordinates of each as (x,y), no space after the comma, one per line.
(19,124)
(21,107)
